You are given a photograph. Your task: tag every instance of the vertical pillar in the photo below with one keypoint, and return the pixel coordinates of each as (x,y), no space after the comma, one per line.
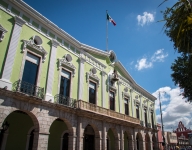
(81,78)
(134,144)
(141,107)
(122,138)
(97,143)
(103,87)
(4,140)
(51,71)
(104,143)
(5,80)
(79,135)
(72,142)
(148,112)
(119,97)
(132,103)
(42,141)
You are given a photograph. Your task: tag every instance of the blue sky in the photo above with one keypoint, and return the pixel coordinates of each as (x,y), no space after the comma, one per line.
(138,41)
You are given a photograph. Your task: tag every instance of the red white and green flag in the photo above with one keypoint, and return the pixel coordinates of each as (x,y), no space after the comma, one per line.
(111,20)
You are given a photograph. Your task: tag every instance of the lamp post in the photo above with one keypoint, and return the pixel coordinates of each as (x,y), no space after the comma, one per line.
(163,143)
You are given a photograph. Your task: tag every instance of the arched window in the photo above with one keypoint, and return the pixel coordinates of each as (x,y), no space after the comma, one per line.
(31,140)
(65,141)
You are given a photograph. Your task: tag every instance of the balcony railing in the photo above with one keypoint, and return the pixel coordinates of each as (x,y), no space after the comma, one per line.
(106,112)
(63,100)
(29,89)
(148,125)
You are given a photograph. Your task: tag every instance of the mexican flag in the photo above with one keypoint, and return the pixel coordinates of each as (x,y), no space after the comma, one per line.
(111,20)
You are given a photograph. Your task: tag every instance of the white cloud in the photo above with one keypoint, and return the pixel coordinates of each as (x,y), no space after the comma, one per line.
(145,62)
(145,19)
(174,108)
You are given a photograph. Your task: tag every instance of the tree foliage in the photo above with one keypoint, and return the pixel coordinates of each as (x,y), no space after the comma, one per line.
(178,27)
(182,74)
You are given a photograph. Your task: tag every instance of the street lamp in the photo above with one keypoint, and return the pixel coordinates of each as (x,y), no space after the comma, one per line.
(163,143)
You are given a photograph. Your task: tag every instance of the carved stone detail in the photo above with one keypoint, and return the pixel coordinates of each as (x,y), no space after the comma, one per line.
(136,102)
(63,61)
(93,76)
(39,48)
(3,31)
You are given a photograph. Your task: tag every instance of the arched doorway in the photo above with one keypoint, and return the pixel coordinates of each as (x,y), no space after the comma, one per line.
(127,141)
(89,138)
(58,137)
(147,141)
(111,143)
(154,142)
(139,142)
(18,135)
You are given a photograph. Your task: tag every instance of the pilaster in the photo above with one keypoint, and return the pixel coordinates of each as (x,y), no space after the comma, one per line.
(140,96)
(122,139)
(72,142)
(132,103)
(119,97)
(79,135)
(103,86)
(104,134)
(42,141)
(51,71)
(81,78)
(5,80)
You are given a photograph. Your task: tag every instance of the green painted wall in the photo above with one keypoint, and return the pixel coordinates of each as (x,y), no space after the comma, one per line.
(26,34)
(20,125)
(56,130)
(7,22)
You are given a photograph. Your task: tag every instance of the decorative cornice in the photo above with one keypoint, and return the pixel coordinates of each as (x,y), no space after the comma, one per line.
(64,62)
(136,102)
(82,60)
(3,30)
(39,48)
(54,43)
(19,21)
(94,77)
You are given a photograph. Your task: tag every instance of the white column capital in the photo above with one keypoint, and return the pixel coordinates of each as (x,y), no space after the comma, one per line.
(19,21)
(54,43)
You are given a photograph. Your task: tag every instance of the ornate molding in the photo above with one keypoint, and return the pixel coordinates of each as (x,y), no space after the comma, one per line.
(64,62)
(39,48)
(136,102)
(144,106)
(125,95)
(54,43)
(93,76)
(19,21)
(3,31)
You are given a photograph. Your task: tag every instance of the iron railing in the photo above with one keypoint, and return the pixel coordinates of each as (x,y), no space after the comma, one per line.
(29,89)
(63,100)
(148,125)
(141,123)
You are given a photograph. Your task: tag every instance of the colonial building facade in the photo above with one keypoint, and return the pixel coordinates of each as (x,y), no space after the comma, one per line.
(58,93)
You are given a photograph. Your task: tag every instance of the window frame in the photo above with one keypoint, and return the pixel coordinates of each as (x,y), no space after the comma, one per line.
(126,98)
(39,67)
(96,90)
(60,74)
(110,100)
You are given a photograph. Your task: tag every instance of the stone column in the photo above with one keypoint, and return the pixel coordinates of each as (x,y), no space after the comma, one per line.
(51,71)
(103,91)
(122,138)
(81,78)
(4,140)
(72,142)
(132,103)
(141,108)
(104,134)
(97,143)
(119,97)
(9,62)
(42,141)
(134,144)
(79,134)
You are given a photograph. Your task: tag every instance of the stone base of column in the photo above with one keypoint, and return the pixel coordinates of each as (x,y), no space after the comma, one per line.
(49,97)
(5,84)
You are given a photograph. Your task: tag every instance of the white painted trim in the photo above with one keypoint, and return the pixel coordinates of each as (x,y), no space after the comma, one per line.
(3,30)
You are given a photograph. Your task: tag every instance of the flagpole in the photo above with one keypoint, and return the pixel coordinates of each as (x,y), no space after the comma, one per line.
(106,32)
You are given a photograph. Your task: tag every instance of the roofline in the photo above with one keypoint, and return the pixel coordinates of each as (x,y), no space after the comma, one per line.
(46,22)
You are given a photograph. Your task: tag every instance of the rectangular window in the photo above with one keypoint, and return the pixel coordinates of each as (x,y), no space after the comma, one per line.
(145,113)
(92,92)
(137,111)
(152,121)
(126,106)
(31,69)
(65,83)
(112,100)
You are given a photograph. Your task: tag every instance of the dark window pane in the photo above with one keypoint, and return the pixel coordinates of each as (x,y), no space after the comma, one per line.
(30,72)
(152,122)
(65,86)
(137,111)
(65,141)
(92,92)
(126,106)
(145,117)
(112,101)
